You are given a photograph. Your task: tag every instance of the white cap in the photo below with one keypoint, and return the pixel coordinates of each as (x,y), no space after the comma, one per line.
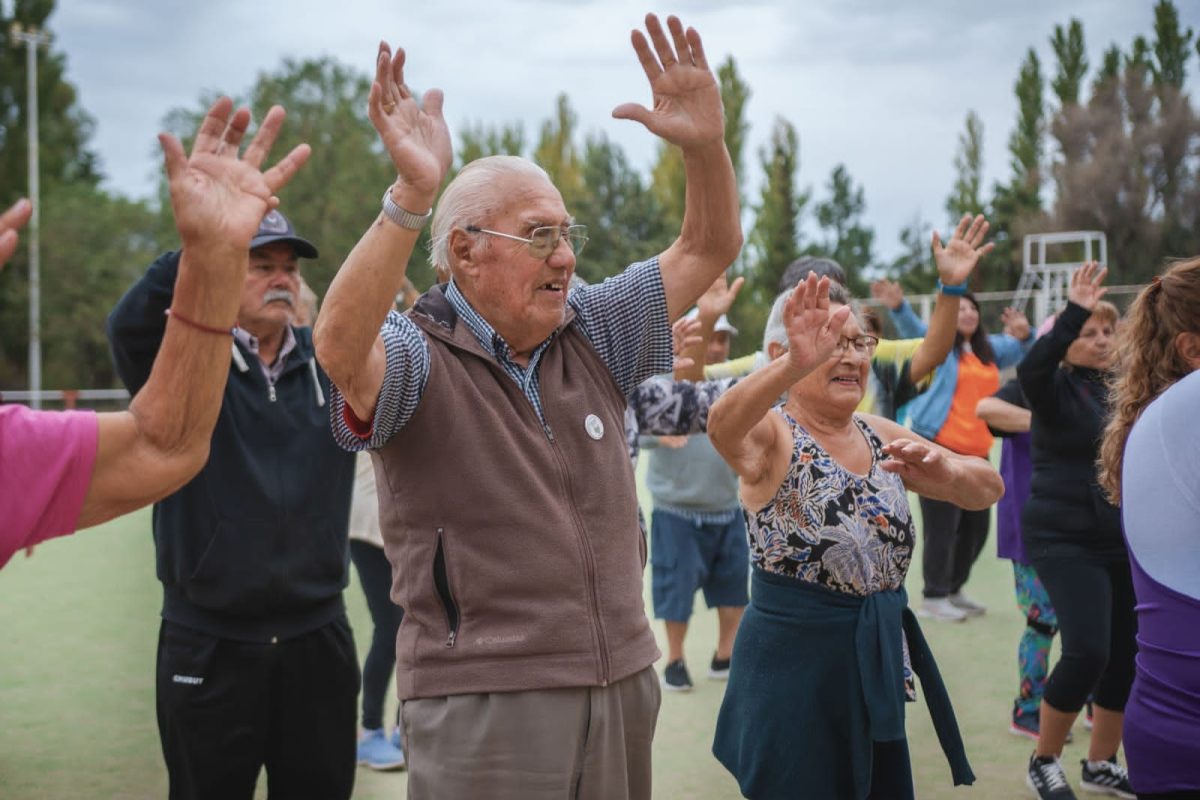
(723,324)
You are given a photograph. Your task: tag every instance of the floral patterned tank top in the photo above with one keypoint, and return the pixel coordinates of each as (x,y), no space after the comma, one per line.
(826,525)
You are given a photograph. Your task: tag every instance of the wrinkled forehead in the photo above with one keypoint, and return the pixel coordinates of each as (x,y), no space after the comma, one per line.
(528,201)
(278,253)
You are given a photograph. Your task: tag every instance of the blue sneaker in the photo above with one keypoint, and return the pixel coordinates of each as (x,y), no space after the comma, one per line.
(376,752)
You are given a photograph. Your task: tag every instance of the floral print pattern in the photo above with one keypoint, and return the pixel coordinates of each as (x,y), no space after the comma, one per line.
(826,525)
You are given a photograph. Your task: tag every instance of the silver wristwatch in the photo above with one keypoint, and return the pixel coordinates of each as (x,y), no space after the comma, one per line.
(405,219)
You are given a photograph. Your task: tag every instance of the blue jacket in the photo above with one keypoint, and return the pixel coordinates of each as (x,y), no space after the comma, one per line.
(928,411)
(253,548)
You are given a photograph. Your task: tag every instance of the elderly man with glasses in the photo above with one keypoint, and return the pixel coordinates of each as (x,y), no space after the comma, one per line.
(494,409)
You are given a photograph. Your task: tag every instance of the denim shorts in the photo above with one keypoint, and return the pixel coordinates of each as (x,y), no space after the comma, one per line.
(687,554)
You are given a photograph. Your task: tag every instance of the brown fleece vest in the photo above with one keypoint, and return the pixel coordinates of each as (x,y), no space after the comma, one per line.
(515,547)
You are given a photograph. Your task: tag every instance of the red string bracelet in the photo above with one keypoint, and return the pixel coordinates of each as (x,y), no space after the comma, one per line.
(170,312)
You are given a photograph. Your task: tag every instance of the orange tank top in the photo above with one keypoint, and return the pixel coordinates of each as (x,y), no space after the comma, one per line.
(963,432)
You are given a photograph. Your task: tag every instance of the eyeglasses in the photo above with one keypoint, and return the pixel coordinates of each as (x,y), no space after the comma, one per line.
(863,345)
(544,241)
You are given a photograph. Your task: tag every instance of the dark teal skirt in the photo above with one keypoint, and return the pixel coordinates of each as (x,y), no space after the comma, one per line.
(816,680)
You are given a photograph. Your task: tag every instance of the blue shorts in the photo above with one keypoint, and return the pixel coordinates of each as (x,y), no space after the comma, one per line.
(686,555)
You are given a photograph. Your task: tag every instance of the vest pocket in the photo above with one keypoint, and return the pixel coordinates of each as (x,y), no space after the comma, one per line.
(441,582)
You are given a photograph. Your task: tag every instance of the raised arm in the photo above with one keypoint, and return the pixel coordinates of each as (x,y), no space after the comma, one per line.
(891,294)
(717,300)
(687,113)
(219,200)
(346,336)
(1037,370)
(932,471)
(749,439)
(955,263)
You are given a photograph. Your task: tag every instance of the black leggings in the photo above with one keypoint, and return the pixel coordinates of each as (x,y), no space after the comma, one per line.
(375,575)
(954,538)
(1094,603)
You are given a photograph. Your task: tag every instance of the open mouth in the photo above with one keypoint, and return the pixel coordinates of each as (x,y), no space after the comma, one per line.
(557,287)
(846,380)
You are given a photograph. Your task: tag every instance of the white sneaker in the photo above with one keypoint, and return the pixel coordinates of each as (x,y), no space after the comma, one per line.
(941,609)
(961,601)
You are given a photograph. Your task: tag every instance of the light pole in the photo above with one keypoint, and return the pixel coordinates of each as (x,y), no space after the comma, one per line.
(32,38)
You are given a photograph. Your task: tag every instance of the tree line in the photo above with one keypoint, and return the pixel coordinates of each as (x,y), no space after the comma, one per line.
(1113,147)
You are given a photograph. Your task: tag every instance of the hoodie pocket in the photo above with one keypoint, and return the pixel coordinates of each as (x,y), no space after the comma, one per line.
(441,583)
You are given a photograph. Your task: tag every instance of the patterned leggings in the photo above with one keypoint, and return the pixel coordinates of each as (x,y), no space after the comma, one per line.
(1033,652)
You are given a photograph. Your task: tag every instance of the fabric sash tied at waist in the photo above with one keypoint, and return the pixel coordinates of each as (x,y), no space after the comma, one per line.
(883,622)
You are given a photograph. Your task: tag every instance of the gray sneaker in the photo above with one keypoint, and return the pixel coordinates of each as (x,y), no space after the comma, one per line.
(676,678)
(964,603)
(940,608)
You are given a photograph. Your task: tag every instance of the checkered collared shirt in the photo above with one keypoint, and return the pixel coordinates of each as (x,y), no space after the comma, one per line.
(624,318)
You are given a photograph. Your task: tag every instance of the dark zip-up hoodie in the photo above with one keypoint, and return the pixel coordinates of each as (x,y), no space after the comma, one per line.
(1067,515)
(254,547)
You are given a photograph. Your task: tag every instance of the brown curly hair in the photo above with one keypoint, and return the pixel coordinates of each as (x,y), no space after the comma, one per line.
(1147,359)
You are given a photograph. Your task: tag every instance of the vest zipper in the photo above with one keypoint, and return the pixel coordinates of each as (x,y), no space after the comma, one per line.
(441,583)
(590,569)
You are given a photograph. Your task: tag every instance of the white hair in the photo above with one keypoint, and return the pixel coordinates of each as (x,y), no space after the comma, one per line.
(472,197)
(775,331)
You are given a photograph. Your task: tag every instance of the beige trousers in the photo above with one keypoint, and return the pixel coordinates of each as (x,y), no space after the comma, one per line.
(588,743)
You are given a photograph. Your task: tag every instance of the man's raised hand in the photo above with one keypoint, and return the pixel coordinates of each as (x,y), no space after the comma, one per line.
(414,133)
(220,198)
(687,101)
(718,298)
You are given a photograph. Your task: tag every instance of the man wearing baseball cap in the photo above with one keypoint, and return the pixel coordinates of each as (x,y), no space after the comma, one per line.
(256,662)
(697,534)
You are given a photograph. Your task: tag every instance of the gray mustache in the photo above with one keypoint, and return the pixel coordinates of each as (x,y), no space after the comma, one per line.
(272,295)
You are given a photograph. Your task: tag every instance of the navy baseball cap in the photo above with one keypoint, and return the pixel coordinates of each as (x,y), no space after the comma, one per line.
(275,227)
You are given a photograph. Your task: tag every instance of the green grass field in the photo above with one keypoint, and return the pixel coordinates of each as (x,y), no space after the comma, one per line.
(79,622)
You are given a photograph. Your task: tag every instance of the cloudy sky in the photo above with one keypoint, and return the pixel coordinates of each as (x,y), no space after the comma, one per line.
(879,85)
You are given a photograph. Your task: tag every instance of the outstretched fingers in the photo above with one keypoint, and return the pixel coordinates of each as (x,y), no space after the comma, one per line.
(978,230)
(646,57)
(960,230)
(174,159)
(264,138)
(279,175)
(212,129)
(683,49)
(235,131)
(697,49)
(666,55)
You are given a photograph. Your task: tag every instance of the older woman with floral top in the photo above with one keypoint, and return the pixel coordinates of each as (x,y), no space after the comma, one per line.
(815,702)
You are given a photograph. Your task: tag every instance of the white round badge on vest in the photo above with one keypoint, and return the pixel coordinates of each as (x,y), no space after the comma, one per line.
(594,426)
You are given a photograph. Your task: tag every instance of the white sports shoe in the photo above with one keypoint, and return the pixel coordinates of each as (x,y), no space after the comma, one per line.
(941,609)
(961,601)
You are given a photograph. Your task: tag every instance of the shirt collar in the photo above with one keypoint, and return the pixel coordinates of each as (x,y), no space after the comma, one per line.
(250,342)
(484,333)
